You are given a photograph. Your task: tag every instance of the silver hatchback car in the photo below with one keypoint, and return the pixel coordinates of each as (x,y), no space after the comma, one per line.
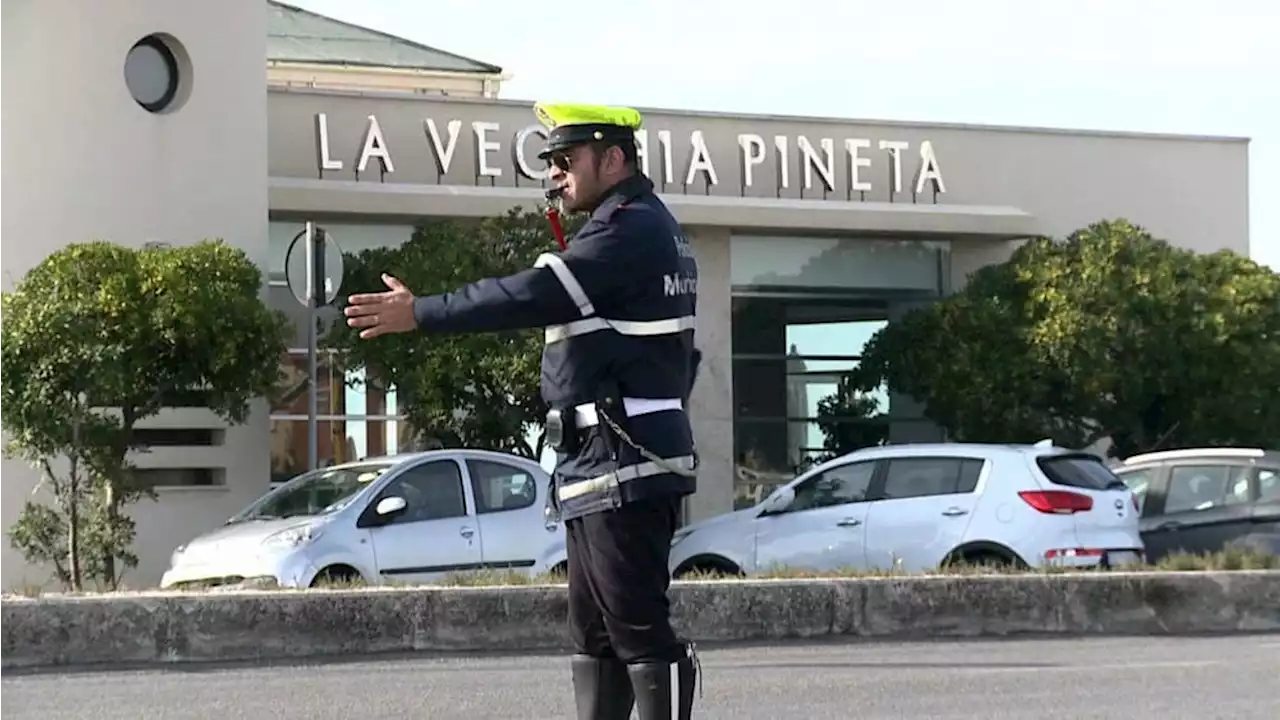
(411,518)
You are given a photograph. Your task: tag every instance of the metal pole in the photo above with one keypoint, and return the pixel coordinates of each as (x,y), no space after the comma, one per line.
(313,392)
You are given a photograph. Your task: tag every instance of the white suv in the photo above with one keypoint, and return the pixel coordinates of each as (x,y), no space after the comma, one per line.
(915,507)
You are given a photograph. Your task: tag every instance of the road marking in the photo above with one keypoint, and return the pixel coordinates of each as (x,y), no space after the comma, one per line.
(984,666)
(1136,665)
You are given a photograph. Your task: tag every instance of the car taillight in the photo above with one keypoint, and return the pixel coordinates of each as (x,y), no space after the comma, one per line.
(1136,506)
(1057,502)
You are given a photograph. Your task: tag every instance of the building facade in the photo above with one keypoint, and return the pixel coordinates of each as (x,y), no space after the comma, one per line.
(810,233)
(84,160)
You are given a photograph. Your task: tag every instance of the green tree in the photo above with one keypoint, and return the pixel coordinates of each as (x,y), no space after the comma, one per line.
(850,419)
(457,390)
(99,337)
(1110,333)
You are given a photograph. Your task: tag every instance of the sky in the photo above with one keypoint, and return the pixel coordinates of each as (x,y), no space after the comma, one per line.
(1130,65)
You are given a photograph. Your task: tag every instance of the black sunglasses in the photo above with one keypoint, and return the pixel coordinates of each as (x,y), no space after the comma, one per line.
(560,160)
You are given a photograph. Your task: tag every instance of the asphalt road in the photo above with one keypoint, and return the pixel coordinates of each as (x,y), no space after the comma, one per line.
(1133,679)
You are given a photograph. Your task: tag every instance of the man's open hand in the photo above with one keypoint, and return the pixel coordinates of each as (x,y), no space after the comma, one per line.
(382,313)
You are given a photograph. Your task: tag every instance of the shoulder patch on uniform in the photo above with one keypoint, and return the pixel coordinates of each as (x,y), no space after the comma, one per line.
(637,217)
(606,212)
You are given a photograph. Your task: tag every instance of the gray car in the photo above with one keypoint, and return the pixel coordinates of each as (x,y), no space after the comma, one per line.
(1206,500)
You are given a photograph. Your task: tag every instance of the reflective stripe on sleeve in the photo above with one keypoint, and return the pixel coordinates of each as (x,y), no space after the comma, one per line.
(568,281)
(638,328)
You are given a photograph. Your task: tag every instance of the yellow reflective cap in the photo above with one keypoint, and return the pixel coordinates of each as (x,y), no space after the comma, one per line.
(554,115)
(570,124)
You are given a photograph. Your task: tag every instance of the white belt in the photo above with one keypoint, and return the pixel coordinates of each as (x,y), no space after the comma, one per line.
(585,416)
(611,480)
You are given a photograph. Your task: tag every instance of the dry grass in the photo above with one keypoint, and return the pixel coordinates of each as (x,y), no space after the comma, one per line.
(1232,559)
(1227,560)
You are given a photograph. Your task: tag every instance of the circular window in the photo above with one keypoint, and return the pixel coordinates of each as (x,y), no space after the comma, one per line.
(151,72)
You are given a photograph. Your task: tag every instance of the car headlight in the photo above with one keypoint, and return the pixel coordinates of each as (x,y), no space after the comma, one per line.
(680,535)
(292,537)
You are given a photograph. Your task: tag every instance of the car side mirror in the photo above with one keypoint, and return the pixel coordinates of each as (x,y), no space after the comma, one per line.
(390,505)
(779,501)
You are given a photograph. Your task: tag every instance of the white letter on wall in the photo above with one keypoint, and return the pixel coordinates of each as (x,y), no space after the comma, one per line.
(322,144)
(895,148)
(929,170)
(668,165)
(752,155)
(853,145)
(826,171)
(642,150)
(375,147)
(484,146)
(700,160)
(444,154)
(518,157)
(784,161)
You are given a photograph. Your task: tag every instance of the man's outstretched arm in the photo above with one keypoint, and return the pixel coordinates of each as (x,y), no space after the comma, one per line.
(560,288)
(527,299)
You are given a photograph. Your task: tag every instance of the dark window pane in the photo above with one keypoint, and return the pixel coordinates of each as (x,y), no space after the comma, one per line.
(498,487)
(969,472)
(843,263)
(837,486)
(1082,471)
(169,437)
(802,326)
(432,491)
(927,476)
(1193,488)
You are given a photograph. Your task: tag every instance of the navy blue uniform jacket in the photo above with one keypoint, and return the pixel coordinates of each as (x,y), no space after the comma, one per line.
(618,306)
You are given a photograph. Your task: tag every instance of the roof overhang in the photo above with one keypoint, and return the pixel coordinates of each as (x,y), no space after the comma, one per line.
(304,196)
(352,66)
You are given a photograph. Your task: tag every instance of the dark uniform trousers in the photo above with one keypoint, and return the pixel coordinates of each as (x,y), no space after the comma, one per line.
(618,311)
(618,582)
(619,614)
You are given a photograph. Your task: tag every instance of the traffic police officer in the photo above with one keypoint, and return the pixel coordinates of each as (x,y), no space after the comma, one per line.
(617,305)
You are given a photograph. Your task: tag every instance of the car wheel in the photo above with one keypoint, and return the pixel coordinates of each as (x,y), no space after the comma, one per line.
(703,568)
(337,576)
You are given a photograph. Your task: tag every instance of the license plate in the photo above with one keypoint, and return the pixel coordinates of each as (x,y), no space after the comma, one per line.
(1121,558)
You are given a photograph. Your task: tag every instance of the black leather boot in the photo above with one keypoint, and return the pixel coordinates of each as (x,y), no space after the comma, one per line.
(664,691)
(601,688)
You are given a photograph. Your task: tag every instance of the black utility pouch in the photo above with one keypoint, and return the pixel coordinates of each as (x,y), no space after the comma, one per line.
(562,431)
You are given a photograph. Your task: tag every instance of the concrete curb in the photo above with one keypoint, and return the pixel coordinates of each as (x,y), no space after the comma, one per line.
(265,625)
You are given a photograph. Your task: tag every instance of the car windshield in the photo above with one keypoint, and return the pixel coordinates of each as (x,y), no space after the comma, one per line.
(319,492)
